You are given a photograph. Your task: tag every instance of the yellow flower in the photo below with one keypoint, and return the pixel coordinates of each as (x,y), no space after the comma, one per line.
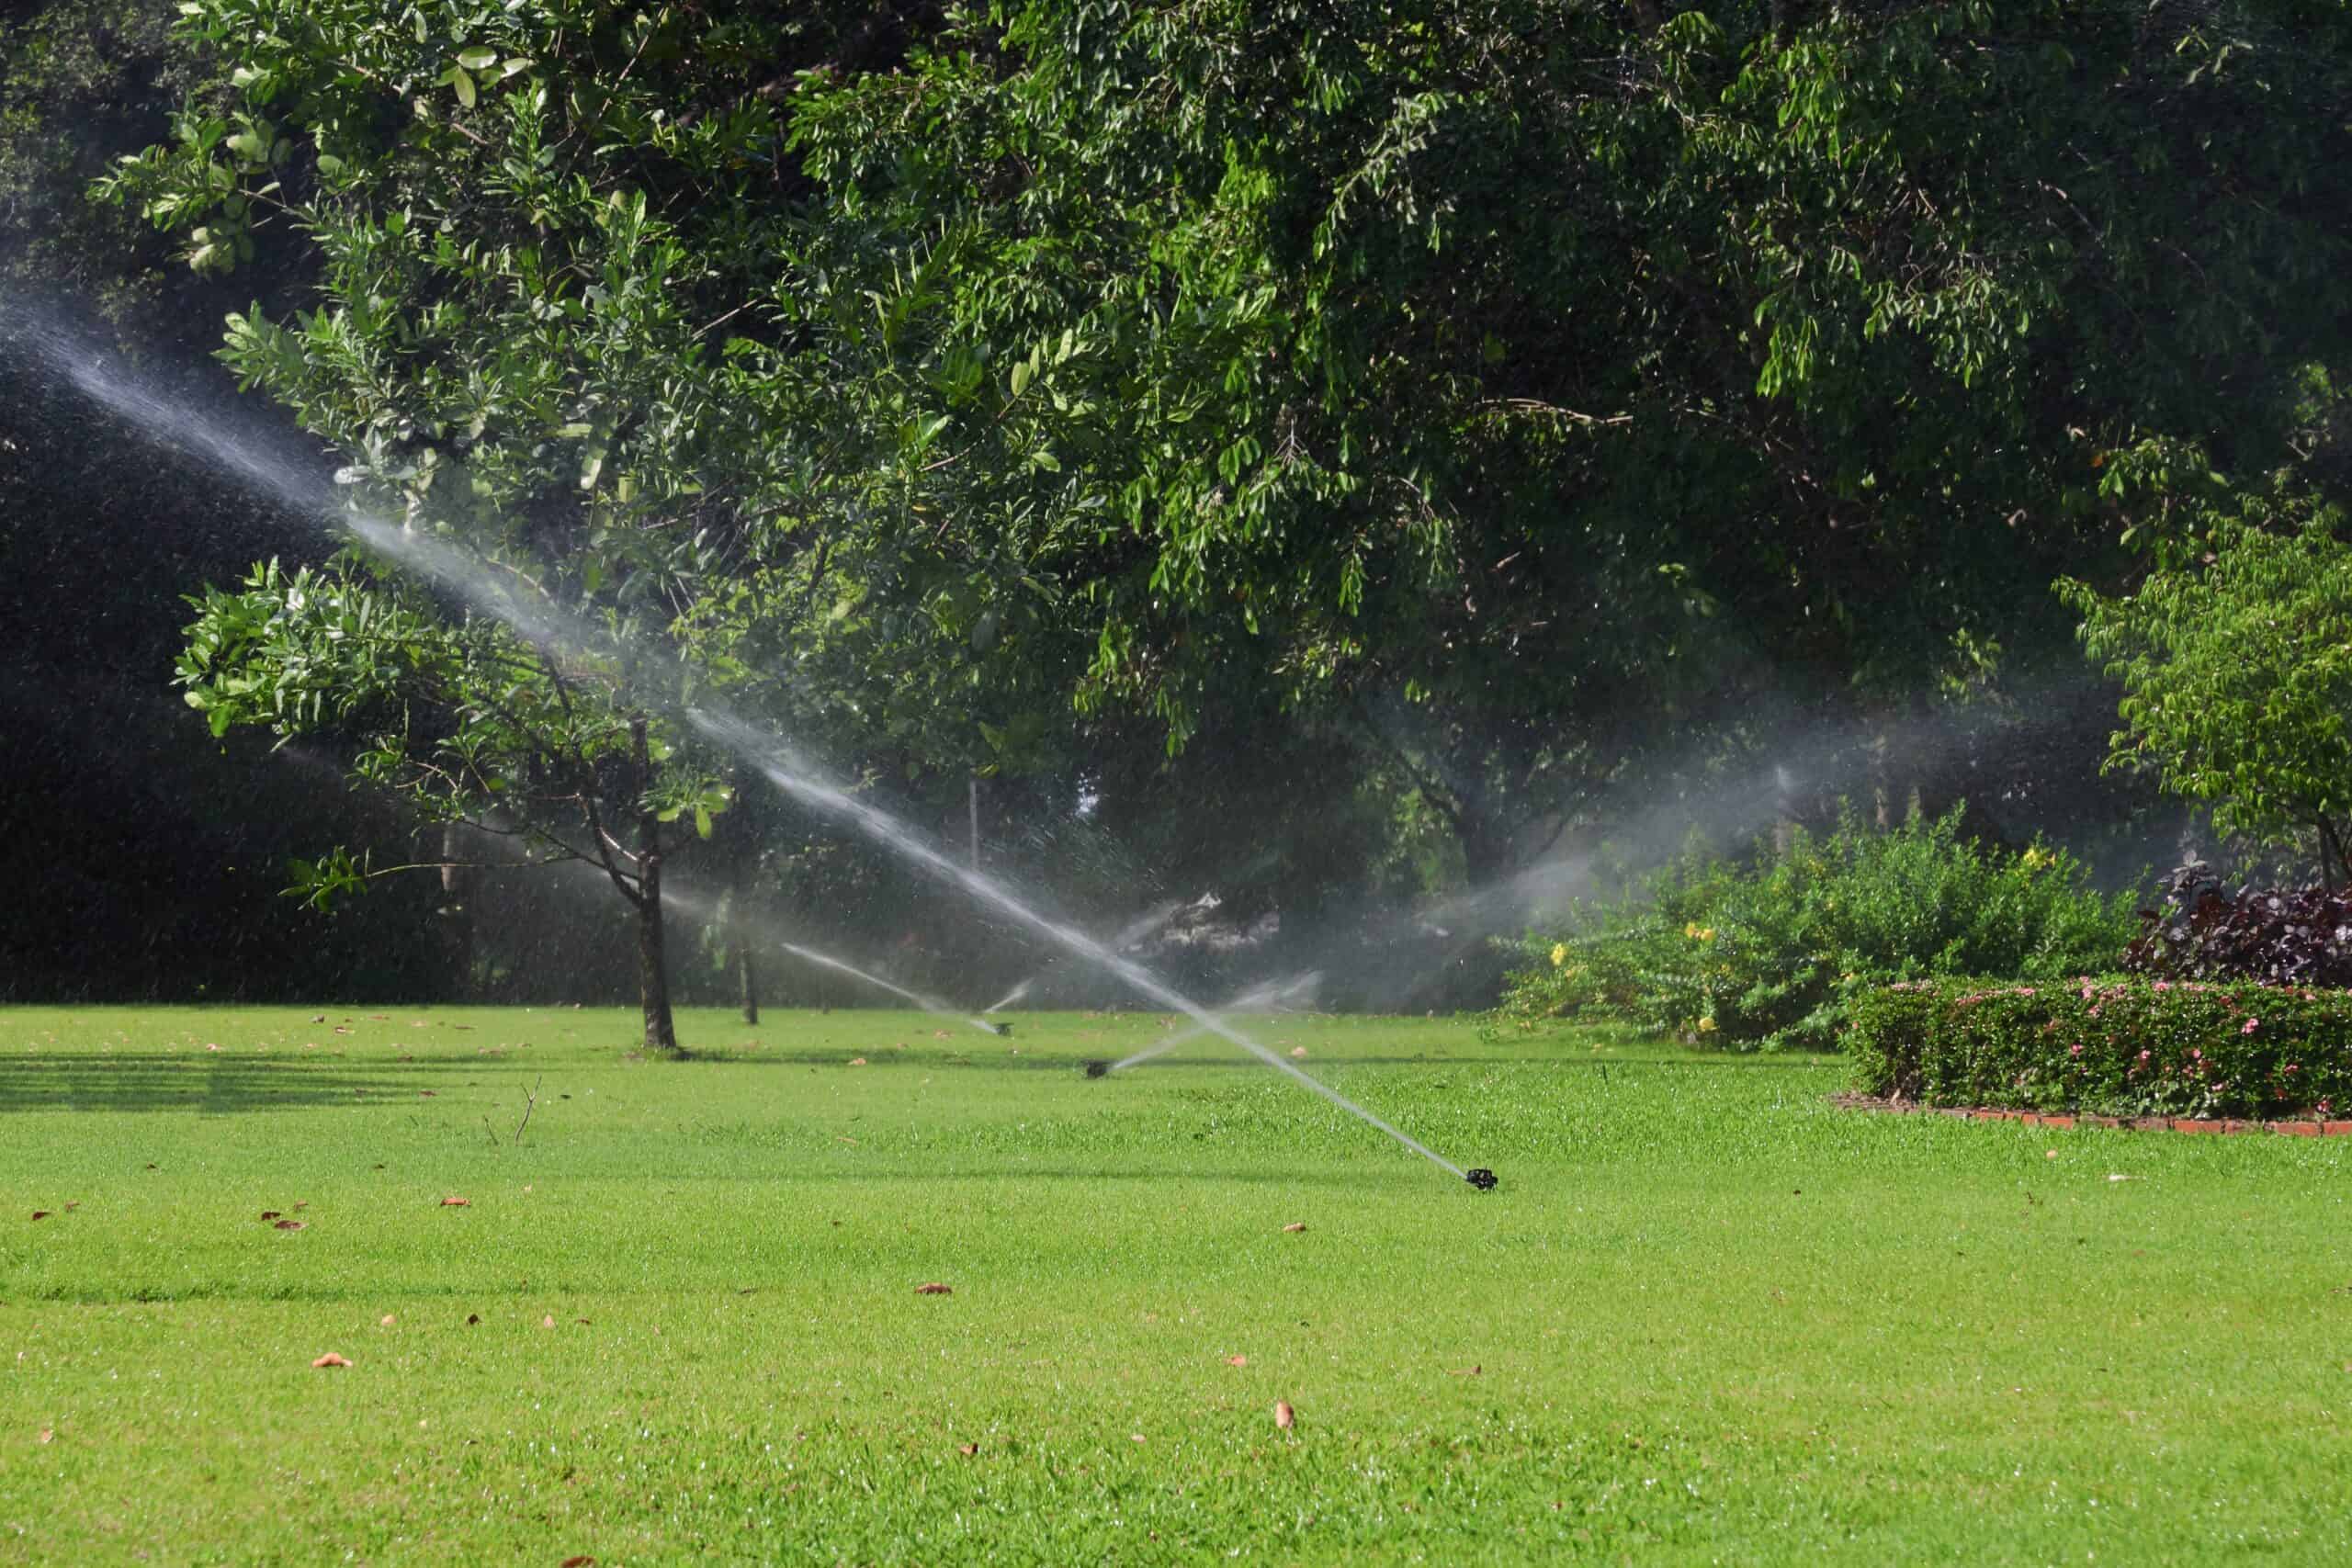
(2033,858)
(1559,953)
(1690,929)
(1706,1026)
(1706,934)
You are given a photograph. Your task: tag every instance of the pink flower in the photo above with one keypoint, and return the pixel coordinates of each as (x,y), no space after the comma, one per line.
(2290,1066)
(2076,1051)
(2164,985)
(2087,993)
(2249,1026)
(2143,1056)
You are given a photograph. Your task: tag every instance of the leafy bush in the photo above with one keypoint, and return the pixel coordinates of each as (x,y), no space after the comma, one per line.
(2117,1047)
(2206,931)
(1770,953)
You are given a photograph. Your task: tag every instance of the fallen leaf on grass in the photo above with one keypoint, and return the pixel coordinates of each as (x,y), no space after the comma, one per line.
(330,1359)
(49,1434)
(457,1202)
(1465,1372)
(548,1322)
(1135,1436)
(386,1321)
(857,1061)
(1294,1227)
(1299,1052)
(582,1561)
(2113,1176)
(41,1214)
(271,1215)
(288,1225)
(934,1289)
(968,1450)
(318,1018)
(1237,1361)
(426,1094)
(2050,1154)
(1284,1416)
(472,1318)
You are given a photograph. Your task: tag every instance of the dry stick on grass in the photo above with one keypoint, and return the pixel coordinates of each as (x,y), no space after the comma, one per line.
(530,1103)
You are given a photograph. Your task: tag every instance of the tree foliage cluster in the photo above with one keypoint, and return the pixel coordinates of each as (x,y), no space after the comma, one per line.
(1451,419)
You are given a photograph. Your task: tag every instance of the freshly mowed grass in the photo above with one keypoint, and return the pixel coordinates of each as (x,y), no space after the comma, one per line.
(1705,1318)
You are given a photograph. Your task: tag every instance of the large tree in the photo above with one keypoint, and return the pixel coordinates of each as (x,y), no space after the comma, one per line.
(515,738)
(1511,387)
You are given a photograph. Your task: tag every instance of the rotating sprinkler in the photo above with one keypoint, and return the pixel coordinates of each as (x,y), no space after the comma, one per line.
(1482,1178)
(1096,1069)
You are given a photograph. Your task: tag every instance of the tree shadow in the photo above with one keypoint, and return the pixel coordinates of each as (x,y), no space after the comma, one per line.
(209,1084)
(1210,1058)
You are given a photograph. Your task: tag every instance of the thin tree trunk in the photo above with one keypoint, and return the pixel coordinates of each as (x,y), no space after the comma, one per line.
(456,914)
(652,971)
(747,980)
(741,823)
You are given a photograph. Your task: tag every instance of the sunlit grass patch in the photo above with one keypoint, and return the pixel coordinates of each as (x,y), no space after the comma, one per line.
(1705,1315)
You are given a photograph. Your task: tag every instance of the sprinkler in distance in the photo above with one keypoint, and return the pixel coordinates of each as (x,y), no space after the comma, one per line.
(1482,1178)
(1096,1069)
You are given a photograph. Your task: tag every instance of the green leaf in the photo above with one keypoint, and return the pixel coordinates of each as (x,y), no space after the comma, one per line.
(1020,375)
(702,821)
(459,79)
(479,58)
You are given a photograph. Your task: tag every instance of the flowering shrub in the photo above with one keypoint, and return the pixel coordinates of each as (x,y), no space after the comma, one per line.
(2208,931)
(1770,953)
(2108,1047)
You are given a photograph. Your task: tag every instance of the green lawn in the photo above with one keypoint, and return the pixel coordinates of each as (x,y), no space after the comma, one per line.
(1704,1318)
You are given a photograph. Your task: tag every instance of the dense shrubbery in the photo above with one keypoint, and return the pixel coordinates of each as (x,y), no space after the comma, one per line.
(1770,953)
(2208,931)
(2128,1047)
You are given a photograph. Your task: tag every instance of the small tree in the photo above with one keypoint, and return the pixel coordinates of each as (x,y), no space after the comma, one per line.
(2237,675)
(465,717)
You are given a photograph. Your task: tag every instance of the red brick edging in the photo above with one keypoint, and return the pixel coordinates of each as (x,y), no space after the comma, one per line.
(2304,1129)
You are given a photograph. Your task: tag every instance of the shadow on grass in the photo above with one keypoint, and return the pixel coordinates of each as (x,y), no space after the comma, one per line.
(1209,1057)
(211,1085)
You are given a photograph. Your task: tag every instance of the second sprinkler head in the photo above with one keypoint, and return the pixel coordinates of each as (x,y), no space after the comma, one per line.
(1096,1069)
(1482,1178)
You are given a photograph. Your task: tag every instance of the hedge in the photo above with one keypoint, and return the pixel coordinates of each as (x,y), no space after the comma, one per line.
(2108,1047)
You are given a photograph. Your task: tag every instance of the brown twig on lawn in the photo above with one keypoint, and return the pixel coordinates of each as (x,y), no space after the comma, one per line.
(530,1103)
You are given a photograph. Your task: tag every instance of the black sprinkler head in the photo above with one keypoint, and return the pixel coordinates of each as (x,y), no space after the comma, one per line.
(1482,1178)
(1096,1069)
(1004,1031)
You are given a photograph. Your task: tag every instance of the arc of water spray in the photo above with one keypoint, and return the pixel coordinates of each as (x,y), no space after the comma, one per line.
(791,774)
(1134,931)
(927,1004)
(1010,997)
(777,761)
(1274,994)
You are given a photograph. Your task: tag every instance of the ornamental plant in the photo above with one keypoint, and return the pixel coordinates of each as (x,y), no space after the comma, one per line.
(1770,953)
(2110,1047)
(2209,931)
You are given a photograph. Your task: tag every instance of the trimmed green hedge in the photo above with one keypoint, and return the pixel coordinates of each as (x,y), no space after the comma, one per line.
(2108,1047)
